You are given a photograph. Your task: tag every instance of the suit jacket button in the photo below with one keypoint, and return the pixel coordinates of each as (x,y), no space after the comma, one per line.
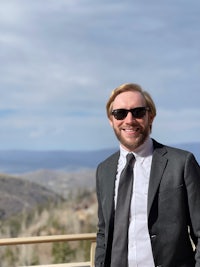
(152,238)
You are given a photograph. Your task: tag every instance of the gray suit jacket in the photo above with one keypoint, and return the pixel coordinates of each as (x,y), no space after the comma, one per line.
(173,208)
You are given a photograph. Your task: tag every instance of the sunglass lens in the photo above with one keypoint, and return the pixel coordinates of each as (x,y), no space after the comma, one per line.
(138,112)
(120,114)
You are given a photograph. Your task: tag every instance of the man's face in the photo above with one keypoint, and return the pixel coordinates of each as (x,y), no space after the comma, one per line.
(130,131)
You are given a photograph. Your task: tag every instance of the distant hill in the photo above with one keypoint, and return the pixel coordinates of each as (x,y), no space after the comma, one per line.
(19,161)
(63,183)
(17,196)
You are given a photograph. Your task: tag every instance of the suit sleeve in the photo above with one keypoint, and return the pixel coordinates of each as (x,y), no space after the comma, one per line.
(100,247)
(192,180)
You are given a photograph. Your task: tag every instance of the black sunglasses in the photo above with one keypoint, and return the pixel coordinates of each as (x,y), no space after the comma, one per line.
(138,113)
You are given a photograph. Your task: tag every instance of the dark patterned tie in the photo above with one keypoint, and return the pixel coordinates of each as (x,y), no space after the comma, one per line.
(119,256)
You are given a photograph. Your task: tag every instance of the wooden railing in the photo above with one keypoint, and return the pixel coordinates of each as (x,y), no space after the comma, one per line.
(56,238)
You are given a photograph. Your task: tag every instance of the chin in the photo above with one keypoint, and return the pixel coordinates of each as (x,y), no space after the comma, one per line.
(131,145)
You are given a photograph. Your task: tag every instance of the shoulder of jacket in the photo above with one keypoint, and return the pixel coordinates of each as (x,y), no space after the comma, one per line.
(112,158)
(171,150)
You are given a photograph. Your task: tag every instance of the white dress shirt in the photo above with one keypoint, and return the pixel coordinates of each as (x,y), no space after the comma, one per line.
(139,244)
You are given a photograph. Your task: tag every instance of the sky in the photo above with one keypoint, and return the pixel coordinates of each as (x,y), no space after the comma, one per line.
(60,60)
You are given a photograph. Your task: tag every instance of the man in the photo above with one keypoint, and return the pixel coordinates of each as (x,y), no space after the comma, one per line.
(163,223)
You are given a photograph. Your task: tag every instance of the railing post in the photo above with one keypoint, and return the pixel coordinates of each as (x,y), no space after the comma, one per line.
(92,253)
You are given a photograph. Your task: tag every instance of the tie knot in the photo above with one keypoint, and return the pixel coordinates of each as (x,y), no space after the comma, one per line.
(129,158)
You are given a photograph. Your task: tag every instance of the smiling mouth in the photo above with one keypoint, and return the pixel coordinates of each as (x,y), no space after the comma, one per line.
(131,130)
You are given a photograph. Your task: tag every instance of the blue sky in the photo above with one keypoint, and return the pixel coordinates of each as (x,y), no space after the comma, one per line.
(61,59)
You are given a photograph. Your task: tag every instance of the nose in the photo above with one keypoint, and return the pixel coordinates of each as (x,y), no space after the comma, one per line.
(129,118)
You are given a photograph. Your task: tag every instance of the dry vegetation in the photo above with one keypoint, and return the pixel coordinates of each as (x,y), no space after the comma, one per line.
(77,215)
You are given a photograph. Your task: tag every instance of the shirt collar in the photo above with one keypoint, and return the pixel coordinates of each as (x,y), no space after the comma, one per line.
(143,151)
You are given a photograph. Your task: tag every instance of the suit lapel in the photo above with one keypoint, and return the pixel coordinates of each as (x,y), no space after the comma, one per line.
(157,169)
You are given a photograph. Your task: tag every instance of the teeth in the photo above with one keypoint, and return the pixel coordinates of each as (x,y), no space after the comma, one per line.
(131,130)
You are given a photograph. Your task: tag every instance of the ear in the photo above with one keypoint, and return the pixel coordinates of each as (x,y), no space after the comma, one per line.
(110,121)
(151,118)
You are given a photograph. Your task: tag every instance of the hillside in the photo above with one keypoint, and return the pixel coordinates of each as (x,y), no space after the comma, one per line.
(66,184)
(17,196)
(78,215)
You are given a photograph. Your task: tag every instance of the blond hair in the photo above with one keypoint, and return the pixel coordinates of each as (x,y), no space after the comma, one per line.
(131,87)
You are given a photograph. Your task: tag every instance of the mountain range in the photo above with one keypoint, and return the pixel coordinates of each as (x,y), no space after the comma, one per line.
(20,161)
